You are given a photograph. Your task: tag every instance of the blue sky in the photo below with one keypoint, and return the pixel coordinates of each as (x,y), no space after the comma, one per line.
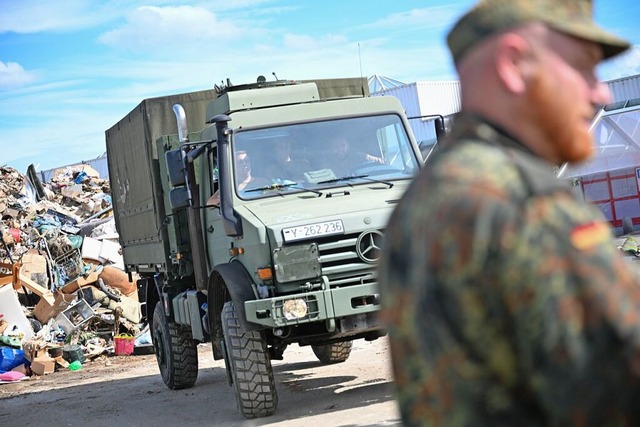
(70,69)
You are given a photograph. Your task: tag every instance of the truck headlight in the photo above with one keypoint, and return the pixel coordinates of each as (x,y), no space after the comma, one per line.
(299,262)
(294,309)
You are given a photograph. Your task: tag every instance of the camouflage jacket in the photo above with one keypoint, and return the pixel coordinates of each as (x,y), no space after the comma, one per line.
(506,301)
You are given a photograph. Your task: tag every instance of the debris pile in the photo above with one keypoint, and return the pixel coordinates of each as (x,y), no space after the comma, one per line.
(64,295)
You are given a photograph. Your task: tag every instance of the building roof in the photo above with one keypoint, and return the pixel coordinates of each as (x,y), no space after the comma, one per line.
(616,134)
(378,83)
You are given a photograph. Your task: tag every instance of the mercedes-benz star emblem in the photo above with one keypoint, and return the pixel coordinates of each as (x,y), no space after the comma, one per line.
(369,245)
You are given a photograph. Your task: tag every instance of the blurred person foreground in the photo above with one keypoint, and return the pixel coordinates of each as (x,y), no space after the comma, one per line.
(504,296)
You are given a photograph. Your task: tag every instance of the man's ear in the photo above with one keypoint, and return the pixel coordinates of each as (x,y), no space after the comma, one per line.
(514,62)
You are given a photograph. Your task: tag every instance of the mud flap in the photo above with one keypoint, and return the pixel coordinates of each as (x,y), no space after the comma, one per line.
(239,286)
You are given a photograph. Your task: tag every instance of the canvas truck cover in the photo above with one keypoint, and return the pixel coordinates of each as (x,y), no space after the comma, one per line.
(337,88)
(133,169)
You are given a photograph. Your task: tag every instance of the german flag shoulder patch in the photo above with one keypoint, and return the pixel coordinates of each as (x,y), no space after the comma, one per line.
(586,236)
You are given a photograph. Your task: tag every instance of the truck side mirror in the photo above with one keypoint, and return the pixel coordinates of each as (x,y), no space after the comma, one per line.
(440,127)
(175,167)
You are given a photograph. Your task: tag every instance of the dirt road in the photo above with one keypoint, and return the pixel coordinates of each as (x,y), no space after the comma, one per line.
(128,391)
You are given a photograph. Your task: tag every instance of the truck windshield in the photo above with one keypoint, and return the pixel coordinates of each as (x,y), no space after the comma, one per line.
(319,155)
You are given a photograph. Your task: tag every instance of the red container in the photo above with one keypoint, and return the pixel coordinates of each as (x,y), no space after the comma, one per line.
(15,234)
(123,344)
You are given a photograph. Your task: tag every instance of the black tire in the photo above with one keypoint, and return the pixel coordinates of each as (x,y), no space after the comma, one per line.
(249,364)
(329,354)
(176,351)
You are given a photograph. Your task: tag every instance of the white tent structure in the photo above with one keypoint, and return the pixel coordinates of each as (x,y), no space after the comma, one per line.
(379,83)
(616,134)
(611,179)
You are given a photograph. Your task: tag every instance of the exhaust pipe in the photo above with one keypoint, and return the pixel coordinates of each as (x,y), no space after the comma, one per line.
(181,118)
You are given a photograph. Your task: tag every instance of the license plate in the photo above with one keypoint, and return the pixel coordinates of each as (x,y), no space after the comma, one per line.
(328,228)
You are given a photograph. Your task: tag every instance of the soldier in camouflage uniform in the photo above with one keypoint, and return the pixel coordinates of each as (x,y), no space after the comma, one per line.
(506,302)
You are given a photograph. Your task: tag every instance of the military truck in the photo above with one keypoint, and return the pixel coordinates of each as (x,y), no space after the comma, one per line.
(235,246)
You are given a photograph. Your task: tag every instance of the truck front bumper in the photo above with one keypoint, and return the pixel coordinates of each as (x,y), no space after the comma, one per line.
(321,305)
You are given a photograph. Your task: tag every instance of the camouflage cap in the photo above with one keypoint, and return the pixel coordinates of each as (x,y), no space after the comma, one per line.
(489,17)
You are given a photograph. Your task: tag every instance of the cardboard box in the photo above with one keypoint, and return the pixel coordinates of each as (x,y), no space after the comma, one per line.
(60,361)
(34,266)
(43,365)
(46,309)
(80,282)
(34,349)
(41,291)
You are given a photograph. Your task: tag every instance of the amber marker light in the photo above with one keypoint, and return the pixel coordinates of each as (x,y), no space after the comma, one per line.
(236,251)
(265,273)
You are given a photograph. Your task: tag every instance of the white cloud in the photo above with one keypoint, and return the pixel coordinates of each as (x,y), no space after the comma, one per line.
(433,17)
(32,16)
(235,4)
(307,43)
(12,75)
(627,64)
(159,28)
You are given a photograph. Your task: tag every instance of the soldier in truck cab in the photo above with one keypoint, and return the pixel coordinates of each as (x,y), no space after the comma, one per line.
(243,174)
(243,170)
(342,160)
(281,164)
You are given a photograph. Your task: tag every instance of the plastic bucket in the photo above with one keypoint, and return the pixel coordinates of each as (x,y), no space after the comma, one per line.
(123,344)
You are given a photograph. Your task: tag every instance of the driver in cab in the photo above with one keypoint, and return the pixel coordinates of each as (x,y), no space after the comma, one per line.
(342,161)
(243,175)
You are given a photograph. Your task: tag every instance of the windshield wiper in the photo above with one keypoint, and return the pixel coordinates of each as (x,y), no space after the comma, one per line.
(342,178)
(351,177)
(279,187)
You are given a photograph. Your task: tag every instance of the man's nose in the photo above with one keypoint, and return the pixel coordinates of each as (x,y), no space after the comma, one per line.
(600,94)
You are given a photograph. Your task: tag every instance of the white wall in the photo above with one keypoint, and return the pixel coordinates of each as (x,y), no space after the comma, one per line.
(625,88)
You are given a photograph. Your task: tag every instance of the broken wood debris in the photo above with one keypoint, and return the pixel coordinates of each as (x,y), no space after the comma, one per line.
(62,279)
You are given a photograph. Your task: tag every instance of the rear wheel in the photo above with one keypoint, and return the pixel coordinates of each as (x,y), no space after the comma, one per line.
(249,365)
(176,352)
(333,353)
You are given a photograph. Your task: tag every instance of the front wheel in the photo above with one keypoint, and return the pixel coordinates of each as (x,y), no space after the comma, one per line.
(249,364)
(176,352)
(329,354)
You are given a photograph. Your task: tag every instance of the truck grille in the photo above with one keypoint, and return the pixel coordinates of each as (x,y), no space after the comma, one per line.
(344,264)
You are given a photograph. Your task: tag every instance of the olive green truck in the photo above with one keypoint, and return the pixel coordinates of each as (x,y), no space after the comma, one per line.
(263,227)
